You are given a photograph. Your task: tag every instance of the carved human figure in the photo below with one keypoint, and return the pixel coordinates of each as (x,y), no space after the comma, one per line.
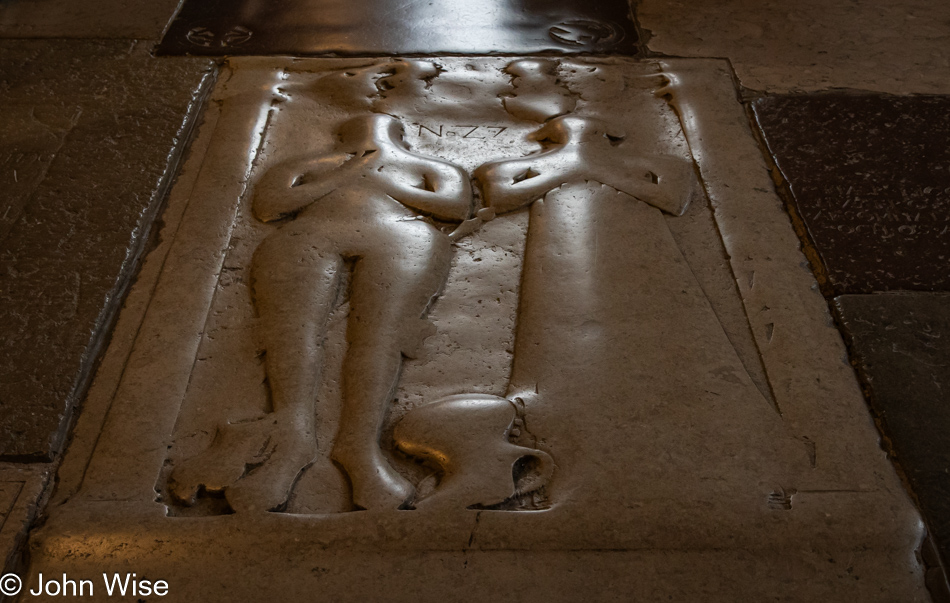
(358,210)
(477,463)
(361,207)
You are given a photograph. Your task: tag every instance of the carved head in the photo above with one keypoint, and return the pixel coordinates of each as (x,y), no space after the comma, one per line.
(534,69)
(407,73)
(350,88)
(404,86)
(364,86)
(538,93)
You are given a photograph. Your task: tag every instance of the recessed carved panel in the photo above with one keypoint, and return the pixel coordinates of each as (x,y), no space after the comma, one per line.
(468,312)
(441,273)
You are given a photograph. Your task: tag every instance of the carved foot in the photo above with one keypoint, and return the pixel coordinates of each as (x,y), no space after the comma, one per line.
(468,436)
(376,485)
(267,488)
(321,489)
(235,448)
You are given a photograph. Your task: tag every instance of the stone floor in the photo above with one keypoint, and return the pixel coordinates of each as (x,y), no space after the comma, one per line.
(847,101)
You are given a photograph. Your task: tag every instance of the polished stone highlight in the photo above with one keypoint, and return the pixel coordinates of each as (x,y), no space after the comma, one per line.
(363,27)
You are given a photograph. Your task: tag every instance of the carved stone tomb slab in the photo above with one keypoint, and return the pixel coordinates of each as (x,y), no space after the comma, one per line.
(480,329)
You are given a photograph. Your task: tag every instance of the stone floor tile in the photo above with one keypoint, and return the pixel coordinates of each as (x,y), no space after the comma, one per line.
(21,488)
(132,19)
(112,121)
(363,27)
(676,415)
(30,137)
(895,47)
(870,180)
(900,343)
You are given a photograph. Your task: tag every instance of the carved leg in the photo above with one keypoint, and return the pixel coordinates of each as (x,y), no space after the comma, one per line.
(392,289)
(295,286)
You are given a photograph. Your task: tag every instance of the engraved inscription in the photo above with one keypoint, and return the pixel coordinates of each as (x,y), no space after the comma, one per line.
(581,33)
(457,131)
(206,38)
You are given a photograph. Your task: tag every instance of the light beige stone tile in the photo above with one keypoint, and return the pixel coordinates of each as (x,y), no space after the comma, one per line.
(893,47)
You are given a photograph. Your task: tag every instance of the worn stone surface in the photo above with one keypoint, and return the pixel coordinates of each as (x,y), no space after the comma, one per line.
(30,137)
(111,122)
(901,345)
(132,19)
(359,27)
(870,178)
(669,354)
(894,47)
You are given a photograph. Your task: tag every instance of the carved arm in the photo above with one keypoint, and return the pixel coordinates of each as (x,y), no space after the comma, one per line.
(511,184)
(445,194)
(292,185)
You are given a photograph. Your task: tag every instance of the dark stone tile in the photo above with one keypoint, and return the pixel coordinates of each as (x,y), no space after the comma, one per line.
(129,19)
(30,136)
(112,122)
(901,343)
(370,27)
(870,178)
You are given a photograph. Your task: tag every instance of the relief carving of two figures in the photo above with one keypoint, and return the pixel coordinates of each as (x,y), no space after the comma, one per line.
(362,217)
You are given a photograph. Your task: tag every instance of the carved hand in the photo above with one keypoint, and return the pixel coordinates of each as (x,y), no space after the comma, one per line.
(578,149)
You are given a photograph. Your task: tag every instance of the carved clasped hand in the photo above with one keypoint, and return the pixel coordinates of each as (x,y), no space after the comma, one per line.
(371,153)
(577,149)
